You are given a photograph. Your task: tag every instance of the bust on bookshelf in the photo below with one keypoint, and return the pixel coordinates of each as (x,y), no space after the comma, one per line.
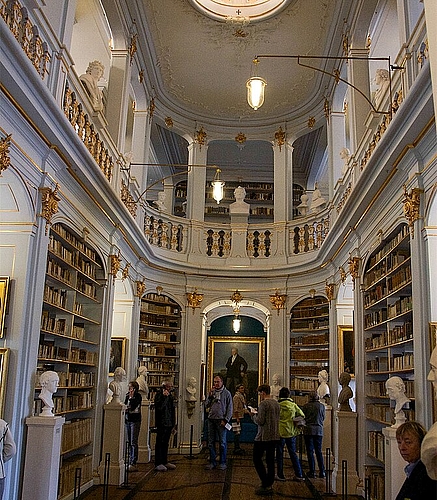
(396,391)
(116,386)
(323,389)
(345,393)
(142,382)
(49,385)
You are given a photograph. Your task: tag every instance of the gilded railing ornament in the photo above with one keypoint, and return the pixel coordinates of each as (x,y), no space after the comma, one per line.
(412,207)
(194,299)
(141,288)
(278,301)
(128,199)
(114,262)
(280,137)
(49,204)
(330,291)
(5,159)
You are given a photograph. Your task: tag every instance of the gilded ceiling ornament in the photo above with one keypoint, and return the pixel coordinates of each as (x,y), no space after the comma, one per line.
(342,274)
(368,42)
(141,76)
(345,43)
(49,203)
(200,137)
(280,137)
(240,138)
(168,122)
(354,267)
(194,299)
(311,122)
(5,159)
(133,47)
(114,261)
(236,297)
(141,288)
(330,290)
(336,74)
(327,109)
(412,206)
(240,33)
(151,108)
(125,272)
(278,301)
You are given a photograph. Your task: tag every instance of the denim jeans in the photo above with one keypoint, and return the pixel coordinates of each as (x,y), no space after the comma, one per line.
(267,476)
(215,429)
(290,442)
(133,431)
(314,444)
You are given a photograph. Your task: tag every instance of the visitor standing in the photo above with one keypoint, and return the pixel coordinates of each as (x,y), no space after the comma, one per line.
(266,439)
(133,422)
(314,412)
(288,431)
(7,451)
(240,408)
(219,408)
(165,420)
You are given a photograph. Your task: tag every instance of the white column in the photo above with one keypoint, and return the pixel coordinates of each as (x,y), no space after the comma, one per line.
(140,147)
(196,182)
(394,463)
(431,29)
(359,108)
(278,346)
(283,183)
(43,453)
(336,142)
(113,443)
(144,451)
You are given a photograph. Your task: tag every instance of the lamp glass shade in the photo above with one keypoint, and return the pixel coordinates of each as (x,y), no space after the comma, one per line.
(217,187)
(255,91)
(236,324)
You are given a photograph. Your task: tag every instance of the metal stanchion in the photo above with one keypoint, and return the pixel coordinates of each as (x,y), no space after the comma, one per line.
(126,465)
(344,479)
(77,481)
(367,488)
(328,470)
(106,476)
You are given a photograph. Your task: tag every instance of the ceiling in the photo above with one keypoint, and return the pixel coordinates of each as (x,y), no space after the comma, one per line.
(197,68)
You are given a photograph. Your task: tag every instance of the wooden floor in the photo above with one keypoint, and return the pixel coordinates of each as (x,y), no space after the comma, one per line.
(190,481)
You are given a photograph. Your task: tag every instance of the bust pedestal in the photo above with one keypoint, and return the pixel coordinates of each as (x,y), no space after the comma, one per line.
(394,463)
(345,448)
(239,225)
(144,451)
(113,442)
(327,431)
(43,453)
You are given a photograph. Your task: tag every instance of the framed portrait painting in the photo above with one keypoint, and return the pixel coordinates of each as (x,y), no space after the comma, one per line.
(4,291)
(251,349)
(346,350)
(4,357)
(432,345)
(117,356)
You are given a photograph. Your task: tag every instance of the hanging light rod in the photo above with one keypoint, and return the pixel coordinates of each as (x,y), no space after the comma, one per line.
(217,184)
(256,85)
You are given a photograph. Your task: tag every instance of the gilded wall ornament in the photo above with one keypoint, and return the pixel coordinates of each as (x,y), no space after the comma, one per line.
(280,137)
(133,47)
(354,267)
(194,299)
(5,159)
(49,203)
(200,137)
(236,297)
(141,76)
(141,288)
(278,301)
(240,138)
(311,122)
(114,262)
(151,108)
(168,122)
(330,291)
(125,272)
(342,274)
(412,206)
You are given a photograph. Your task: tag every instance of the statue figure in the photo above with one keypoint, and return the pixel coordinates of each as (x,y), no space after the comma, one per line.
(190,397)
(239,206)
(49,381)
(90,79)
(428,452)
(116,386)
(323,389)
(317,201)
(142,382)
(345,393)
(276,386)
(161,201)
(382,80)
(345,154)
(303,207)
(396,392)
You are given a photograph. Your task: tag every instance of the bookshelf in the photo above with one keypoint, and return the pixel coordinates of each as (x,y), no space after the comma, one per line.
(309,345)
(69,344)
(388,328)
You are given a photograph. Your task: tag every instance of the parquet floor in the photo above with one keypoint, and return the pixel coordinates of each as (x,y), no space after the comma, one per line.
(190,481)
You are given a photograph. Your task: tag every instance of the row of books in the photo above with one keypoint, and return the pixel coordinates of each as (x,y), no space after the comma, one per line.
(73,258)
(151,335)
(376,478)
(310,371)
(385,414)
(88,289)
(55,296)
(303,384)
(379,316)
(67,473)
(310,339)
(74,241)
(159,320)
(377,389)
(375,445)
(159,309)
(392,261)
(397,334)
(76,433)
(49,350)
(154,366)
(309,324)
(389,246)
(310,354)
(57,325)
(261,211)
(61,273)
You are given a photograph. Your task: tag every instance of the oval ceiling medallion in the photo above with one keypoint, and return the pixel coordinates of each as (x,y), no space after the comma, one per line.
(225,10)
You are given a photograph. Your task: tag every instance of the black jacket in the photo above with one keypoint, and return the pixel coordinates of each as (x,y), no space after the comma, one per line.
(419,486)
(133,410)
(165,414)
(234,369)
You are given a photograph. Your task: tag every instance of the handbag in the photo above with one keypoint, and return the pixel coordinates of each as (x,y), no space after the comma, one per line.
(299,421)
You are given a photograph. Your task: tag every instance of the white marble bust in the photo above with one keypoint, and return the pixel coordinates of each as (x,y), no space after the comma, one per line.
(49,381)
(142,382)
(382,80)
(396,392)
(323,390)
(239,206)
(317,200)
(90,79)
(428,452)
(160,202)
(276,386)
(116,386)
(191,390)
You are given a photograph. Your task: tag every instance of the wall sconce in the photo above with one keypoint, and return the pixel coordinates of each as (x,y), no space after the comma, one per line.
(217,187)
(194,299)
(256,85)
(278,301)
